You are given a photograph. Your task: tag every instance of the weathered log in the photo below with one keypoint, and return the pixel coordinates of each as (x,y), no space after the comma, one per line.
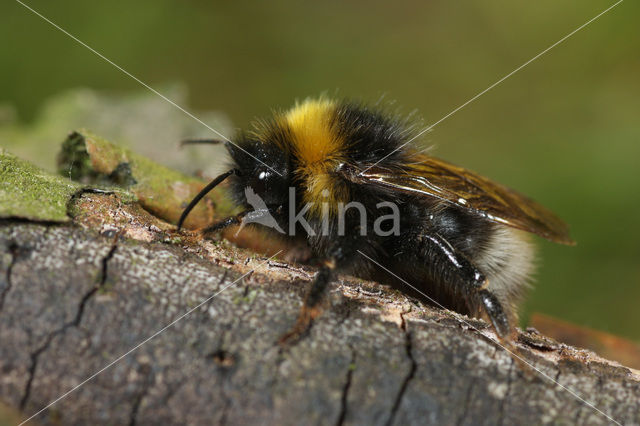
(75,298)
(93,296)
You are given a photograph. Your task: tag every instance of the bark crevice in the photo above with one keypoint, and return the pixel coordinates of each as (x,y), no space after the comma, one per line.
(345,390)
(413,366)
(467,403)
(147,383)
(13,253)
(102,281)
(75,322)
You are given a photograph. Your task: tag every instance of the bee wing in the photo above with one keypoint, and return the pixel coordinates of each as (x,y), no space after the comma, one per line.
(435,178)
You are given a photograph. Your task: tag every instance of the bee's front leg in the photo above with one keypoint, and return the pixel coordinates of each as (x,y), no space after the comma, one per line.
(342,254)
(225,223)
(311,307)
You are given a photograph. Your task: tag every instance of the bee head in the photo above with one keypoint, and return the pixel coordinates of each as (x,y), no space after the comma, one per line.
(264,168)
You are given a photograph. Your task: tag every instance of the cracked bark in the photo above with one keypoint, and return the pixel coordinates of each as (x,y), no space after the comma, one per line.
(137,402)
(410,374)
(32,370)
(345,391)
(12,249)
(77,301)
(74,323)
(100,285)
(467,403)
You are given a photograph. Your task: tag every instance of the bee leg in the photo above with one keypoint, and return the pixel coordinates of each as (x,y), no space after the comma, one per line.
(458,274)
(455,268)
(497,316)
(221,224)
(225,223)
(505,331)
(311,308)
(452,264)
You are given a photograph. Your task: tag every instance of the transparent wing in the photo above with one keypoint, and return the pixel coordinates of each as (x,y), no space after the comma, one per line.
(435,178)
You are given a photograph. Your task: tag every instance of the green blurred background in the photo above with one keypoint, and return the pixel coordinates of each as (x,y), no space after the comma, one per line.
(564,130)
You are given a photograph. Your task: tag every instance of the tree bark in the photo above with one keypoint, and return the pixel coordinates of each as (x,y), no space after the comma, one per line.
(76,297)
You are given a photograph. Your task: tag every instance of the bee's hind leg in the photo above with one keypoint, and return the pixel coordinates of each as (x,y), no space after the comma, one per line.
(502,324)
(494,310)
(459,275)
(461,278)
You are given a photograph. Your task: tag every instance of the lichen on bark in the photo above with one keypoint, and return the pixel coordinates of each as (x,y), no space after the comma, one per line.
(29,192)
(162,191)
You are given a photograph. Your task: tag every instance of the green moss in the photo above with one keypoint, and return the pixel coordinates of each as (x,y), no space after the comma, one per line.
(29,192)
(160,190)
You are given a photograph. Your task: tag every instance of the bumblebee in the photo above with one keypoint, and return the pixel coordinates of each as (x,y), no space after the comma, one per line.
(332,172)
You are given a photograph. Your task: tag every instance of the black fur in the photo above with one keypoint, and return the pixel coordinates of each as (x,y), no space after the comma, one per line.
(435,238)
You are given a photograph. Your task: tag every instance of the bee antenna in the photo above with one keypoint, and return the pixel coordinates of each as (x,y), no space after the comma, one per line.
(200,142)
(204,192)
